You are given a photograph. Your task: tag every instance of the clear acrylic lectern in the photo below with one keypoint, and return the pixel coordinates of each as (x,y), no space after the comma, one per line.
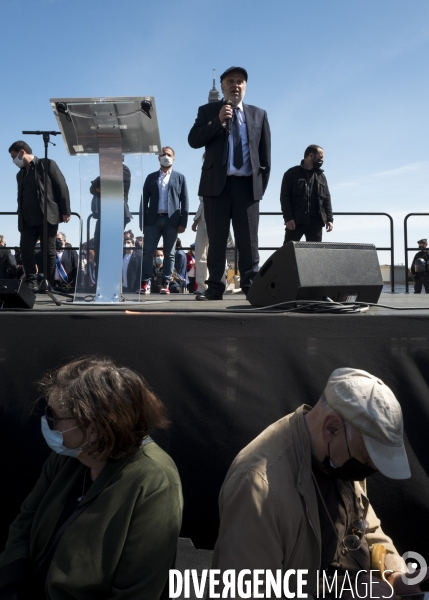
(111,128)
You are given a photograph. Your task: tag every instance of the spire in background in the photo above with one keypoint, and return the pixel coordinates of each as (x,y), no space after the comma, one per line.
(214,95)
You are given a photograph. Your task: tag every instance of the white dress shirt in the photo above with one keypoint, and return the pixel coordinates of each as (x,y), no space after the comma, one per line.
(163,183)
(246,169)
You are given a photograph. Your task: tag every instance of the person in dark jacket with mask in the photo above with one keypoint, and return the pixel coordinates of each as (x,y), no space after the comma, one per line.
(67,264)
(163,212)
(95,190)
(30,180)
(7,263)
(305,198)
(420,268)
(104,518)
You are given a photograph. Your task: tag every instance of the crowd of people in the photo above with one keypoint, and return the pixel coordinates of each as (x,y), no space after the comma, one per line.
(181,280)
(68,273)
(66,263)
(235,173)
(103,520)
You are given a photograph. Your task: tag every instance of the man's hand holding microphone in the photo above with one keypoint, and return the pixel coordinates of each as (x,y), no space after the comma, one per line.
(225,115)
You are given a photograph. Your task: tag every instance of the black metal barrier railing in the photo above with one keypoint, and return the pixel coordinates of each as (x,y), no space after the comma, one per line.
(136,214)
(390,248)
(406,249)
(75,214)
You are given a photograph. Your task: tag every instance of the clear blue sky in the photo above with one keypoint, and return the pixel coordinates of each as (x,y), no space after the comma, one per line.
(350,76)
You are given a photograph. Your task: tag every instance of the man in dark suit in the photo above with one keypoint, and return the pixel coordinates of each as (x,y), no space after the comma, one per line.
(131,267)
(7,261)
(234,177)
(420,268)
(165,213)
(95,190)
(30,180)
(67,262)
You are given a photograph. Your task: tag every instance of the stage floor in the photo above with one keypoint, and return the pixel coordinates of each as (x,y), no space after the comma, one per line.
(178,303)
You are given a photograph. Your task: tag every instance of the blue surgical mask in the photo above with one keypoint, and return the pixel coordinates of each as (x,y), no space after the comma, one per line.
(54,439)
(159,260)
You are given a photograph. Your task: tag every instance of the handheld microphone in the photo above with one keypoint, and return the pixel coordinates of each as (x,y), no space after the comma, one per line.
(228,121)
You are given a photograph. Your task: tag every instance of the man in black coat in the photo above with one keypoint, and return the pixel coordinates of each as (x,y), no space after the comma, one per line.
(420,267)
(131,267)
(67,263)
(234,177)
(95,190)
(7,262)
(30,180)
(305,198)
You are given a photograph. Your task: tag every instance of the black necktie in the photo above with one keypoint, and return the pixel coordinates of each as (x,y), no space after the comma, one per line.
(238,148)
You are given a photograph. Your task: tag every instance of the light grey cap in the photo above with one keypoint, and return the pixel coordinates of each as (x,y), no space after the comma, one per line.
(371,407)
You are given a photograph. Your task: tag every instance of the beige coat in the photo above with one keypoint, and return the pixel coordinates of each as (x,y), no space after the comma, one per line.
(268,506)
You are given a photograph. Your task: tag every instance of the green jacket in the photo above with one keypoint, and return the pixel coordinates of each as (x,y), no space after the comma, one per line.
(121,546)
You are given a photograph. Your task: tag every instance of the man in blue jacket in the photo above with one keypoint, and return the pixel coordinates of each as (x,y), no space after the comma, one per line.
(165,213)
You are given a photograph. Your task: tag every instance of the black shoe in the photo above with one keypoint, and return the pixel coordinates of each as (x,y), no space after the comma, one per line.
(209,295)
(32,285)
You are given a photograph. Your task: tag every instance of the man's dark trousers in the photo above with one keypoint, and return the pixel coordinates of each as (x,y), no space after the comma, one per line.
(420,280)
(235,203)
(312,231)
(29,237)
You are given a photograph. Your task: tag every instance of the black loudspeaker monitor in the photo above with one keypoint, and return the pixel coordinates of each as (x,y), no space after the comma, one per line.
(314,270)
(14,293)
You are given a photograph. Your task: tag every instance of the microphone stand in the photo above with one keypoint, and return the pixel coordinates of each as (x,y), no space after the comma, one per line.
(44,286)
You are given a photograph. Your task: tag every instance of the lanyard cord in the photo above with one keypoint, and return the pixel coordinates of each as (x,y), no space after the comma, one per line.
(323,502)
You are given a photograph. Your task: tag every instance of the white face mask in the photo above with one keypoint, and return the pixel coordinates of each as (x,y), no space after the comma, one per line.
(166,160)
(18,161)
(54,439)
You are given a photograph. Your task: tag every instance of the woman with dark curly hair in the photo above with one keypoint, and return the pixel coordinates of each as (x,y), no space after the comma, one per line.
(104,517)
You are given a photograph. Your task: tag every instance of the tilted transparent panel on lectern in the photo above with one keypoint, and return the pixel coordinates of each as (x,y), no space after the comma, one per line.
(109,135)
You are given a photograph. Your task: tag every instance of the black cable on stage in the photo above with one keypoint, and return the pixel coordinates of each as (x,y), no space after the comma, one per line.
(399,307)
(328,306)
(311,307)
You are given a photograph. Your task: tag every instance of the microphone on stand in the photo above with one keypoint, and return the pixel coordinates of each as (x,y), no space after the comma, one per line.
(228,121)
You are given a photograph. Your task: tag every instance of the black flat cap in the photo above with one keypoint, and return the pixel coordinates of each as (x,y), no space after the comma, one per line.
(423,241)
(225,73)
